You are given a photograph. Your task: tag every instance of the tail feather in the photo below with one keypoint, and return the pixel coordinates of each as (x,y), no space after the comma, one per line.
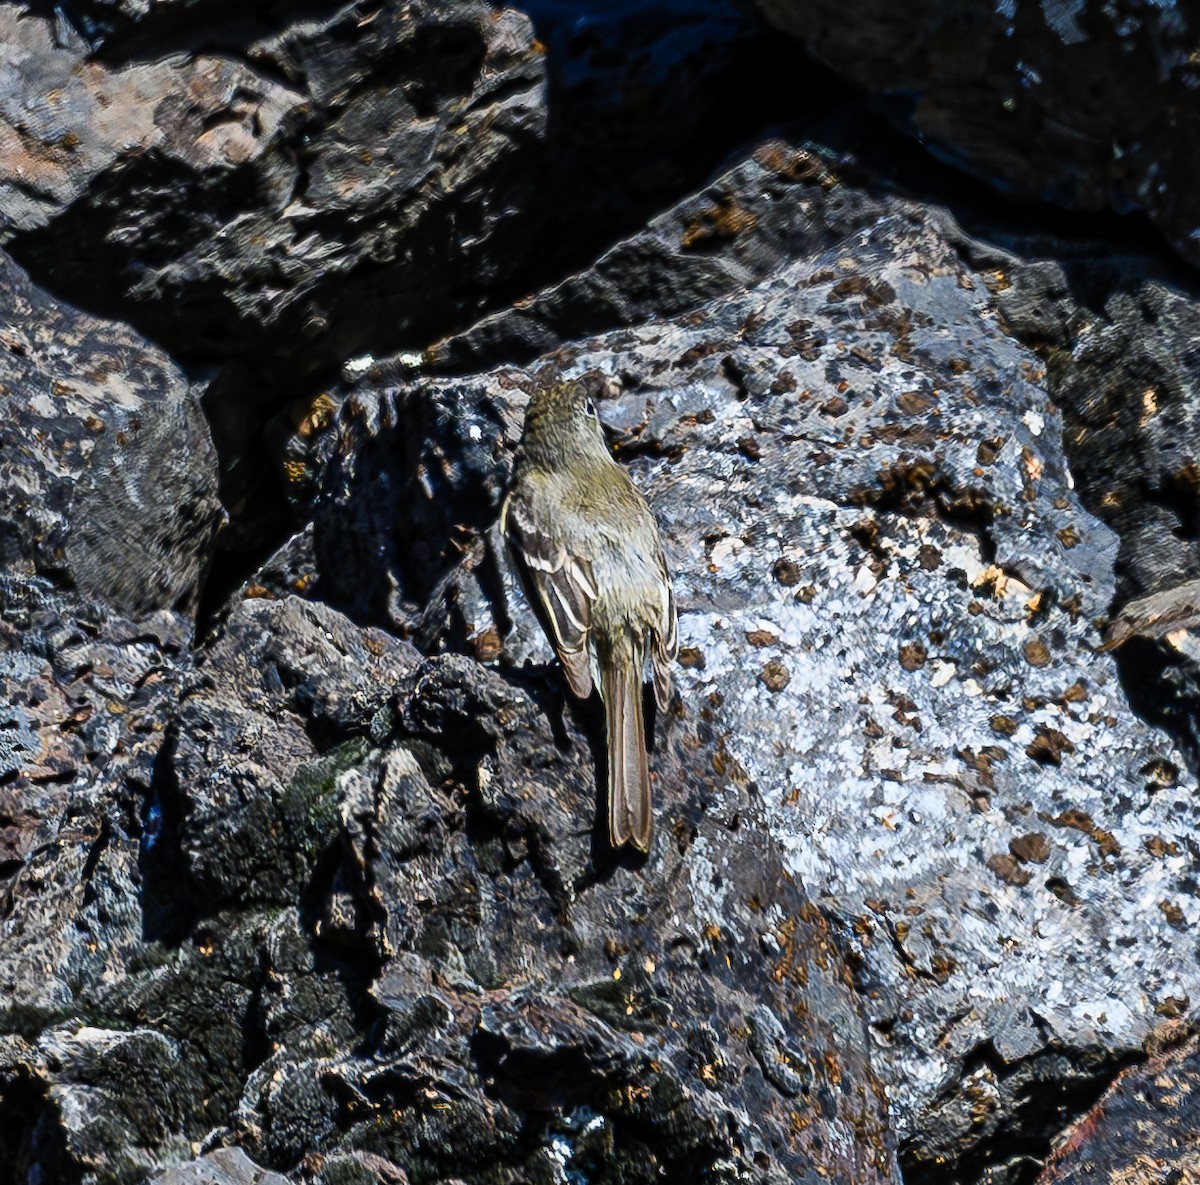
(629,811)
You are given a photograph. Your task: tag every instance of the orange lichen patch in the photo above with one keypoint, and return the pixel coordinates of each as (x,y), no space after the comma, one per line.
(794,164)
(760,638)
(1159,847)
(774,676)
(1037,653)
(723,220)
(315,416)
(1049,746)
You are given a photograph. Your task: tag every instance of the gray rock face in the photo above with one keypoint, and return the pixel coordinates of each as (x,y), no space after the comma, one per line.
(87,697)
(108,478)
(1090,107)
(862,485)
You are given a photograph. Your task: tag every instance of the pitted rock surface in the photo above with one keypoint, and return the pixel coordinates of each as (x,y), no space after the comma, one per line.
(108,478)
(279,203)
(888,582)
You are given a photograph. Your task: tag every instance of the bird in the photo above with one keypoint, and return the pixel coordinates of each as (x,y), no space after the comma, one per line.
(588,551)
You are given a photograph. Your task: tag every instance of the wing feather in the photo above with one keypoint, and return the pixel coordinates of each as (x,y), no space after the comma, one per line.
(564,587)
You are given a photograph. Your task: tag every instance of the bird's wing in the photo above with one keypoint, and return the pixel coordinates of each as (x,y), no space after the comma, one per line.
(565,589)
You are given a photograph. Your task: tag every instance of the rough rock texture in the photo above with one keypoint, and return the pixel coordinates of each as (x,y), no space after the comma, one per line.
(81,401)
(1001,840)
(469,986)
(225,1166)
(319,894)
(87,698)
(781,202)
(1089,106)
(1142,1132)
(300,192)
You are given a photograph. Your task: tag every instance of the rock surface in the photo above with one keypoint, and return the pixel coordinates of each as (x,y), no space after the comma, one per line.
(1143,1131)
(82,400)
(892,512)
(464,976)
(1087,106)
(318,894)
(225,1166)
(305,189)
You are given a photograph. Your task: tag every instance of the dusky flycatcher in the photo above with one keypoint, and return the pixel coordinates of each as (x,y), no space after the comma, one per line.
(588,550)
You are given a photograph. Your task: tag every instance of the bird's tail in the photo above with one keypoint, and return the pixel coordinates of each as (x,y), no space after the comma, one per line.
(629,812)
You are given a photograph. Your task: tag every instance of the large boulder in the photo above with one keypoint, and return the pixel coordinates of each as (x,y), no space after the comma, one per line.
(270,205)
(1090,106)
(368,928)
(108,477)
(889,595)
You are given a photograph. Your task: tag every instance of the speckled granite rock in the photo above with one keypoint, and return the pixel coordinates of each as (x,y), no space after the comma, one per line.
(108,478)
(1092,106)
(886,577)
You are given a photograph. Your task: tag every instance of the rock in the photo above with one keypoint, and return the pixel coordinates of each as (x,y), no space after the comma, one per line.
(1117,331)
(907,486)
(408,954)
(108,479)
(1117,328)
(225,1166)
(325,185)
(1142,1131)
(785,200)
(538,1003)
(87,697)
(1089,109)
(297,683)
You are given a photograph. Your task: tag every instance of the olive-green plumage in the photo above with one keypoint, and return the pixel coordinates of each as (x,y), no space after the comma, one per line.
(589,551)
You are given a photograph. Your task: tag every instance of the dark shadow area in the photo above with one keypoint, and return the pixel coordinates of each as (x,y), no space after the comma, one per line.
(348,951)
(32,1144)
(1048,1099)
(1164,690)
(168,912)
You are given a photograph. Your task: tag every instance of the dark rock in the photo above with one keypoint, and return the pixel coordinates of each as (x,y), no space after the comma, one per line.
(787,199)
(1093,108)
(277,207)
(538,1004)
(254,774)
(108,476)
(90,695)
(1141,1132)
(428,961)
(1117,330)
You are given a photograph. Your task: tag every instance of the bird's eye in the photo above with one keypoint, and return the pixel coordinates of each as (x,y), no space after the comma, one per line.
(590,408)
